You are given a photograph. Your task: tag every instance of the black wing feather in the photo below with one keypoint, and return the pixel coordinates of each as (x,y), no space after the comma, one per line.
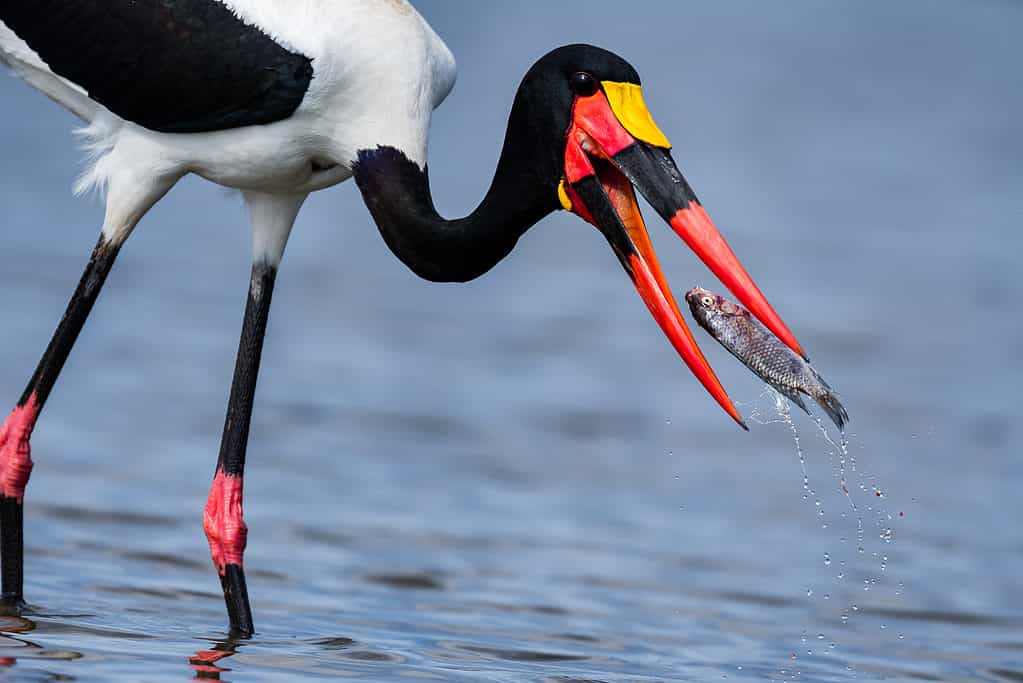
(174,66)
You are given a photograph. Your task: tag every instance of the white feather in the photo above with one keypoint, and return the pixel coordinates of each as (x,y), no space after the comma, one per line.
(379,71)
(25,63)
(272,216)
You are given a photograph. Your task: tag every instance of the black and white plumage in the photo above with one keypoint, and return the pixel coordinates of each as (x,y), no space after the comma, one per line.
(279,99)
(170,87)
(184,67)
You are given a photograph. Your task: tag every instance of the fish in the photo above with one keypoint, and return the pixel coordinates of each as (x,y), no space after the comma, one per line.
(767,356)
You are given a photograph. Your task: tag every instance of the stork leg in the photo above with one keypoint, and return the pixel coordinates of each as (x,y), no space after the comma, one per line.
(272,218)
(15,451)
(131,193)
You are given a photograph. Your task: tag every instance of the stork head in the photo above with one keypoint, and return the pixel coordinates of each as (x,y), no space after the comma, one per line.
(579,138)
(593,141)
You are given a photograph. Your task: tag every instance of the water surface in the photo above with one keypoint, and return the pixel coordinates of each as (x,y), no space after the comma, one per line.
(516,479)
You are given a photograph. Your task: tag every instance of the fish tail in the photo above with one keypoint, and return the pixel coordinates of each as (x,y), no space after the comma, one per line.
(830,404)
(793,395)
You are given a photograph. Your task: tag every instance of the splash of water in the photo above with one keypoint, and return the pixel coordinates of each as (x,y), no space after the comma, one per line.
(844,469)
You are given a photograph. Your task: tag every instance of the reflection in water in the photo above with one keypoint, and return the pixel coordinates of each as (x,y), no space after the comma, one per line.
(13,647)
(13,623)
(204,662)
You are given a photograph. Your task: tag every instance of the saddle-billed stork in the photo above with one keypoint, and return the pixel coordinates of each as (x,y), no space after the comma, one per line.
(279,99)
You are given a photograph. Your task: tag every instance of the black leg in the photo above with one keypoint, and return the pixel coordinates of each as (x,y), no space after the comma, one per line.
(12,547)
(15,452)
(222,519)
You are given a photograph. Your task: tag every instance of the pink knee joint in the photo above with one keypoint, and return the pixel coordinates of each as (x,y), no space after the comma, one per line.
(15,452)
(223,522)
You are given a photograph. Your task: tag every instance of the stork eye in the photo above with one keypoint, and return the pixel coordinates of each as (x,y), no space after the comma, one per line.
(583,84)
(707,301)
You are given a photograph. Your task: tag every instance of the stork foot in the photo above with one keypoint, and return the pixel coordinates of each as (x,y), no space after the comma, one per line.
(236,596)
(15,469)
(226,532)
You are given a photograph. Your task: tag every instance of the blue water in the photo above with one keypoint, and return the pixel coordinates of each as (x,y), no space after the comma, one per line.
(516,479)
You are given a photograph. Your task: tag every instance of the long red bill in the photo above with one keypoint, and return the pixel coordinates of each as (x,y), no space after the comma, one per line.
(678,333)
(612,203)
(612,146)
(695,227)
(654,173)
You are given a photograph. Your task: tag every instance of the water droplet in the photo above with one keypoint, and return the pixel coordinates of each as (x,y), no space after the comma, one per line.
(855,608)
(845,618)
(827,596)
(820,636)
(902,636)
(883,626)
(809,592)
(827,559)
(841,575)
(886,534)
(667,420)
(831,646)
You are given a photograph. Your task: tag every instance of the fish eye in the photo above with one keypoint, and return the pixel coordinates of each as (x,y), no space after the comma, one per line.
(583,84)
(707,301)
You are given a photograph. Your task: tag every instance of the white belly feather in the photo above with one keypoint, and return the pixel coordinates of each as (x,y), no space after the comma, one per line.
(364,93)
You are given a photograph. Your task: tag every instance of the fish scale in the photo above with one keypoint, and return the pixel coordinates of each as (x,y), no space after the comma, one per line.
(763,353)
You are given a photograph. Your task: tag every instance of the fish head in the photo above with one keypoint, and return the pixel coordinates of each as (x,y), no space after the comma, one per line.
(708,306)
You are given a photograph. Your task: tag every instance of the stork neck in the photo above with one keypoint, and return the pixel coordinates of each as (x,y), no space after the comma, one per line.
(397,192)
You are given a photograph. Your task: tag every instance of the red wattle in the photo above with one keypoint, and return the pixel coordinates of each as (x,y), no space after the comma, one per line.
(594,115)
(577,165)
